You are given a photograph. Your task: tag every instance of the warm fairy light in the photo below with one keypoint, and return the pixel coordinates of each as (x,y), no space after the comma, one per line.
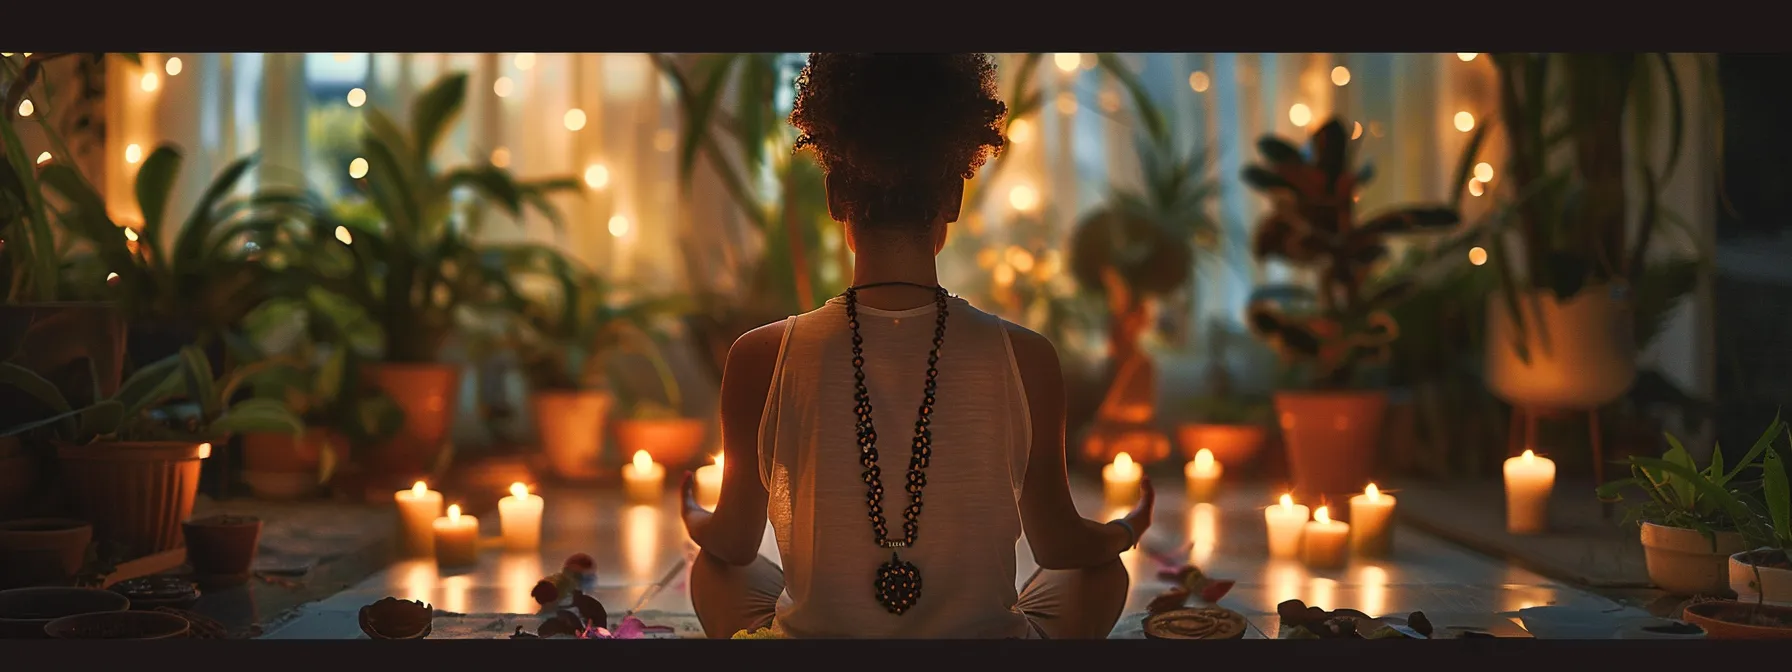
(1020,131)
(519,491)
(1484,171)
(1020,259)
(347,238)
(130,234)
(1068,62)
(453,514)
(173,66)
(1067,103)
(205,451)
(1466,56)
(26,107)
(419,489)
(1475,188)
(1528,457)
(1465,122)
(111,277)
(1203,460)
(1199,81)
(619,228)
(643,461)
(1477,255)
(1322,515)
(503,86)
(1372,492)
(133,153)
(987,257)
(1287,502)
(357,168)
(501,157)
(43,158)
(7,54)
(357,97)
(150,81)
(597,176)
(1340,75)
(1356,130)
(525,61)
(1023,197)
(1300,114)
(575,119)
(1004,275)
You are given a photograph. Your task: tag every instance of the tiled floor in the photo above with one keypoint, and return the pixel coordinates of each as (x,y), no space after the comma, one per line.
(636,546)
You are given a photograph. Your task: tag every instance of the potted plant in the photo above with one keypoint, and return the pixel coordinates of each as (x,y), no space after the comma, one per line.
(1688,533)
(130,463)
(414,267)
(1330,417)
(657,426)
(1224,420)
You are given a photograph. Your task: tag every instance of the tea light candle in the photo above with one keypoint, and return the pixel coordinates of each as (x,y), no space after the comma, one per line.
(1203,476)
(1324,540)
(709,484)
(457,539)
(417,511)
(1528,481)
(1372,523)
(1120,481)
(643,480)
(519,517)
(1286,522)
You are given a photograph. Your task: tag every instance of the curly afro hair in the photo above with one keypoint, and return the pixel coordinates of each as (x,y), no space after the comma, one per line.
(896,132)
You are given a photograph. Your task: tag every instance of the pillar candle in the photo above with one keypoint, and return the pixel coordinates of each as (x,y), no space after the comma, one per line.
(643,480)
(457,539)
(1324,541)
(1528,481)
(418,508)
(519,518)
(1203,476)
(1372,523)
(1286,522)
(1120,481)
(709,484)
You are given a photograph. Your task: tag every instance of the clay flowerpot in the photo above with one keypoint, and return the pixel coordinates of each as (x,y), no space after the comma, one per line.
(1331,439)
(429,395)
(1232,445)
(1684,562)
(282,466)
(120,625)
(1728,619)
(673,442)
(135,494)
(42,551)
(570,424)
(221,549)
(25,611)
(1582,351)
(1774,585)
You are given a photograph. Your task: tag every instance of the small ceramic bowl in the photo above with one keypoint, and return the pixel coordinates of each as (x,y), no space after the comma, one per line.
(1578,622)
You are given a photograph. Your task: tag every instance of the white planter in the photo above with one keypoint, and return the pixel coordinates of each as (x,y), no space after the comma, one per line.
(1777,583)
(1683,562)
(1582,351)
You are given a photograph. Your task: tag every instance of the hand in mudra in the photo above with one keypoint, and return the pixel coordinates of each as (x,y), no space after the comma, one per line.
(688,494)
(1140,516)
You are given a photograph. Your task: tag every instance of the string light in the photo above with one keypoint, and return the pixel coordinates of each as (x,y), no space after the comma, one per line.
(111,278)
(1004,275)
(1300,114)
(130,234)
(1020,131)
(618,226)
(1199,81)
(1340,75)
(575,119)
(1110,101)
(342,58)
(1356,130)
(1477,255)
(343,235)
(43,158)
(1484,171)
(597,176)
(500,157)
(503,87)
(357,168)
(1466,56)
(525,61)
(5,55)
(150,81)
(1020,259)
(1023,198)
(133,153)
(1067,103)
(1465,122)
(172,66)
(1068,62)
(357,97)
(26,107)
(1475,188)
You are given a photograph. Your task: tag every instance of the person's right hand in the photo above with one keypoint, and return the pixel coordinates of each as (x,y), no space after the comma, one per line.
(1140,516)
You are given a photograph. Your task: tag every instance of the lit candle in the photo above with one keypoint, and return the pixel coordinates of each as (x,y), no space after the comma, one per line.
(1285,522)
(1120,481)
(457,539)
(519,517)
(417,511)
(709,484)
(1528,481)
(1323,542)
(643,480)
(1203,477)
(1372,523)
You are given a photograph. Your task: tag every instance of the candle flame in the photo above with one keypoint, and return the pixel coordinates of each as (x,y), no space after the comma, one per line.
(418,489)
(718,460)
(643,461)
(519,491)
(1322,515)
(205,451)
(1203,459)
(1372,492)
(1528,456)
(1122,463)
(1288,502)
(453,513)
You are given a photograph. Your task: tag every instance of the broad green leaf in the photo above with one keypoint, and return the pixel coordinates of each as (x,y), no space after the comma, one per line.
(87,215)
(258,415)
(1754,453)
(434,110)
(1778,493)
(1677,454)
(27,381)
(189,245)
(196,369)
(392,191)
(328,382)
(1726,501)
(102,419)
(151,385)
(155,185)
(40,234)
(491,182)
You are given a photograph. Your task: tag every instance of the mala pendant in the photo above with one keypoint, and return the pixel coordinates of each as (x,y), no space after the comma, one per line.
(898,584)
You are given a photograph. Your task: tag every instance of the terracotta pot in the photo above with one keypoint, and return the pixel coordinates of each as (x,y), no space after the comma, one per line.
(1331,439)
(1684,562)
(221,549)
(136,494)
(1728,619)
(42,551)
(1231,445)
(570,424)
(1775,582)
(282,466)
(675,443)
(429,394)
(120,625)
(25,611)
(1582,351)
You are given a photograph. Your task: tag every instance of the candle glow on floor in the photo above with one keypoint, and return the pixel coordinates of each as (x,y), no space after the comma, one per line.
(641,543)
(519,573)
(1374,582)
(1203,533)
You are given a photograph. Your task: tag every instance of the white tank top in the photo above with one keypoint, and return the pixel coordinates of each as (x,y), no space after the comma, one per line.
(809,463)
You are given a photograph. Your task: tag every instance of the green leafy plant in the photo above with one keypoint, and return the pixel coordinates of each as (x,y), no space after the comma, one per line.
(315,375)
(567,334)
(1222,403)
(1312,223)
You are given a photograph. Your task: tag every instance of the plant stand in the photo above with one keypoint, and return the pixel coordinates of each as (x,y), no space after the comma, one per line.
(1523,434)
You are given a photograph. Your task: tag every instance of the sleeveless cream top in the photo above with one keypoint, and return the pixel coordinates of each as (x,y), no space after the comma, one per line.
(809,462)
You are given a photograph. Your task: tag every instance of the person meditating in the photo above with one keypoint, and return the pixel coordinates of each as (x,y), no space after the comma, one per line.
(899,439)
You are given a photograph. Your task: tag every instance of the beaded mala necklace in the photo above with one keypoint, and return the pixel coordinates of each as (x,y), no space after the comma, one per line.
(898,583)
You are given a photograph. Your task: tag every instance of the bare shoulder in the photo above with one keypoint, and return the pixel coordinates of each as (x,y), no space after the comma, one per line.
(1035,355)
(759,345)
